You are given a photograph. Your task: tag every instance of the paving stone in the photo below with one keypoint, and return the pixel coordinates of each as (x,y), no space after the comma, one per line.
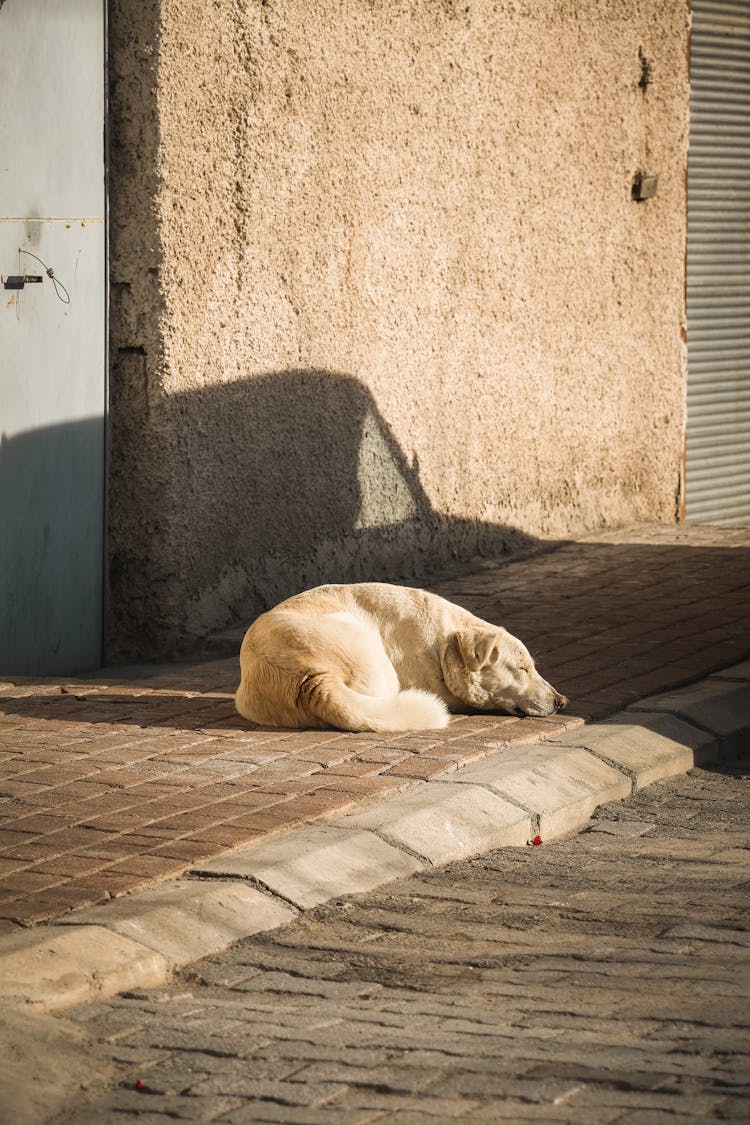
(648,745)
(400,1079)
(736,672)
(559,785)
(188,919)
(442,823)
(290,1093)
(259,1111)
(48,970)
(723,934)
(723,708)
(316,863)
(436,1107)
(622,827)
(158,1109)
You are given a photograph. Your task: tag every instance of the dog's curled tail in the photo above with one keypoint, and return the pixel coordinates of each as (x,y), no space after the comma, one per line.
(336,705)
(270,695)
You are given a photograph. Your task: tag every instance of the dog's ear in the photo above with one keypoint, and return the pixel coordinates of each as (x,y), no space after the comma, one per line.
(466,652)
(478,648)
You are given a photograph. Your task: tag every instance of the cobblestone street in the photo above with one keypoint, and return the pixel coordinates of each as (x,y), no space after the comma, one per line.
(601,978)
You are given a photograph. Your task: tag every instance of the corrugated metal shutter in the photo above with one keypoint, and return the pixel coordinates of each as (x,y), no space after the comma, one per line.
(718,267)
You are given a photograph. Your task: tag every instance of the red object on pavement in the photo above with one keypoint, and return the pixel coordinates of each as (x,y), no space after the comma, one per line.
(140,1084)
(537,841)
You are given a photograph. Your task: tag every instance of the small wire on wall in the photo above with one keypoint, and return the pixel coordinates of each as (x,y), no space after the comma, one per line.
(60,289)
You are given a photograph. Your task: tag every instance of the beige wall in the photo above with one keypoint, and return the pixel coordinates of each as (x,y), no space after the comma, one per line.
(380,294)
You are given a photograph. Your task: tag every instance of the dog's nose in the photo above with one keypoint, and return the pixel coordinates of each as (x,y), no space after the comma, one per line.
(560,702)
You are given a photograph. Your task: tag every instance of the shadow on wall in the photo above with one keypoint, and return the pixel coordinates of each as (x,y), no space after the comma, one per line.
(226,499)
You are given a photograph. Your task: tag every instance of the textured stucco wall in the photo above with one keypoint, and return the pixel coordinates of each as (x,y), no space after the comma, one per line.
(380,293)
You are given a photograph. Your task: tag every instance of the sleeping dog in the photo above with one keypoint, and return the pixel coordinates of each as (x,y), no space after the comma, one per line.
(372,656)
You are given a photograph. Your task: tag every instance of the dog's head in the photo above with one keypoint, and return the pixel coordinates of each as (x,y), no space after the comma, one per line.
(491,670)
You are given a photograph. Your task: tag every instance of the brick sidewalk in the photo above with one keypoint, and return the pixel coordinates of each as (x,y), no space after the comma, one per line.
(118,780)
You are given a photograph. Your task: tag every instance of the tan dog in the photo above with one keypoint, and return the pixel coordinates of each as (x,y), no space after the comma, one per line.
(372,656)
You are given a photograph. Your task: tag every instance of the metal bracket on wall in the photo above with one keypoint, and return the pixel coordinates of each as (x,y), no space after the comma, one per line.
(644,187)
(17,281)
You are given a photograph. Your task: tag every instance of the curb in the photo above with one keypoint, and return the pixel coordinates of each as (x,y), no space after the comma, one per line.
(502,801)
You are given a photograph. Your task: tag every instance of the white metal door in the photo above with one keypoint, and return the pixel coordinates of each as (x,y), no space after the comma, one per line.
(718,267)
(52,334)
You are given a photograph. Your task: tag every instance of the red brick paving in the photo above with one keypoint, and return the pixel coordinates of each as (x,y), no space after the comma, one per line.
(121,779)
